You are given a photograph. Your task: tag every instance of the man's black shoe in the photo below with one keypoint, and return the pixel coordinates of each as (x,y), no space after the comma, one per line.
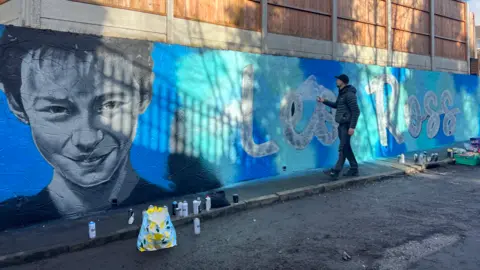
(332,173)
(351,172)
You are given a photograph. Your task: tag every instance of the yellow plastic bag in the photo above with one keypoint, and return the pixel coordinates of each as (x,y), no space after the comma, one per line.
(157,231)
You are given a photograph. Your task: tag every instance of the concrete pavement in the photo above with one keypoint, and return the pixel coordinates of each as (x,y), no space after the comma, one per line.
(425,221)
(62,236)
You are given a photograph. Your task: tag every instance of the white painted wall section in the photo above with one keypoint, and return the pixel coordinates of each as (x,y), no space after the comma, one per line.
(11,12)
(98,20)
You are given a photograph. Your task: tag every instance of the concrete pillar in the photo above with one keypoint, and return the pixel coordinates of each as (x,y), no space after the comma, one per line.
(432,33)
(264,25)
(389,34)
(170,16)
(467,12)
(31,13)
(334,29)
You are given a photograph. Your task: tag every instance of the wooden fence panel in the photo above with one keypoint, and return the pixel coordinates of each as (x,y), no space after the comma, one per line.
(362,23)
(366,11)
(415,4)
(411,26)
(307,18)
(404,41)
(244,14)
(451,9)
(362,34)
(148,6)
(409,19)
(472,35)
(450,29)
(450,49)
(320,6)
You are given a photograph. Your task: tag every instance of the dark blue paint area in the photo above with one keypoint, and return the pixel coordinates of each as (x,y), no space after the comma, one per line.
(325,156)
(23,171)
(441,138)
(393,148)
(324,72)
(468,83)
(248,167)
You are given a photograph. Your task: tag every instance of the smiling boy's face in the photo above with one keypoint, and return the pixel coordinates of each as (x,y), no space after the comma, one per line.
(83,113)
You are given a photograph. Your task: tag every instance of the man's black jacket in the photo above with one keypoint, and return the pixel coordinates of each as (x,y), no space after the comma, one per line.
(347,106)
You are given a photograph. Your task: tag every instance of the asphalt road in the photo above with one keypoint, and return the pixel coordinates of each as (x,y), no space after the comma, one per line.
(430,221)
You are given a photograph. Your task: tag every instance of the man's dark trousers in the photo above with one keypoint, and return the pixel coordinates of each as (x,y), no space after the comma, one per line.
(345,149)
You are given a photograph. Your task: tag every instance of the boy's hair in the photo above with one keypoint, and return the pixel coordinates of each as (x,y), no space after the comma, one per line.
(18,44)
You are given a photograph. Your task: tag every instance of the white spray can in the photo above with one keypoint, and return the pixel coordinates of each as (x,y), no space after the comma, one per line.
(402,159)
(196,206)
(196,226)
(92,232)
(208,203)
(185,208)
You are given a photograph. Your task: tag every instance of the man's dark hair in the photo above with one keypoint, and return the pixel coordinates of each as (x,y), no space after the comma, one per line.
(16,43)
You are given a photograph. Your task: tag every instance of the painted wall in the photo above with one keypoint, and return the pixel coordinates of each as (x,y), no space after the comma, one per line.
(92,123)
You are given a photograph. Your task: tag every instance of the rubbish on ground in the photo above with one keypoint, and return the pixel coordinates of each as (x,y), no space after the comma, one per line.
(157,231)
(235,198)
(196,206)
(470,147)
(346,257)
(208,203)
(219,200)
(174,208)
(459,151)
(92,232)
(196,226)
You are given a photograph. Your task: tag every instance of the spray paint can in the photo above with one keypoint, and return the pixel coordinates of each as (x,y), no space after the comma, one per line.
(196,206)
(199,204)
(131,216)
(196,226)
(92,231)
(421,159)
(415,158)
(436,157)
(174,208)
(185,209)
(208,203)
(235,198)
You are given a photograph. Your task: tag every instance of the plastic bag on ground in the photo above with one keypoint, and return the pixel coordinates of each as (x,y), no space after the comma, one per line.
(157,231)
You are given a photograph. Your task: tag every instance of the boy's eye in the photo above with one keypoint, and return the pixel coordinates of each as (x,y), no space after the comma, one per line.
(57,110)
(110,105)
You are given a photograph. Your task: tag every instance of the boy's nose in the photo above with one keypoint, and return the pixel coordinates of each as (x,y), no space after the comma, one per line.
(86,139)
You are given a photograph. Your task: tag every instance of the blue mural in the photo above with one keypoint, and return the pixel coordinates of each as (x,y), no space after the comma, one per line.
(93,123)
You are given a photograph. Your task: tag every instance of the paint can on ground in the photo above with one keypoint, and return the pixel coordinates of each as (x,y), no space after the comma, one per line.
(196,206)
(185,209)
(174,208)
(208,203)
(92,231)
(131,219)
(196,226)
(415,158)
(235,198)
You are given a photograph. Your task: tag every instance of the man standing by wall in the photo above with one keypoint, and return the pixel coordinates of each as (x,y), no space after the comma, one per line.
(347,117)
